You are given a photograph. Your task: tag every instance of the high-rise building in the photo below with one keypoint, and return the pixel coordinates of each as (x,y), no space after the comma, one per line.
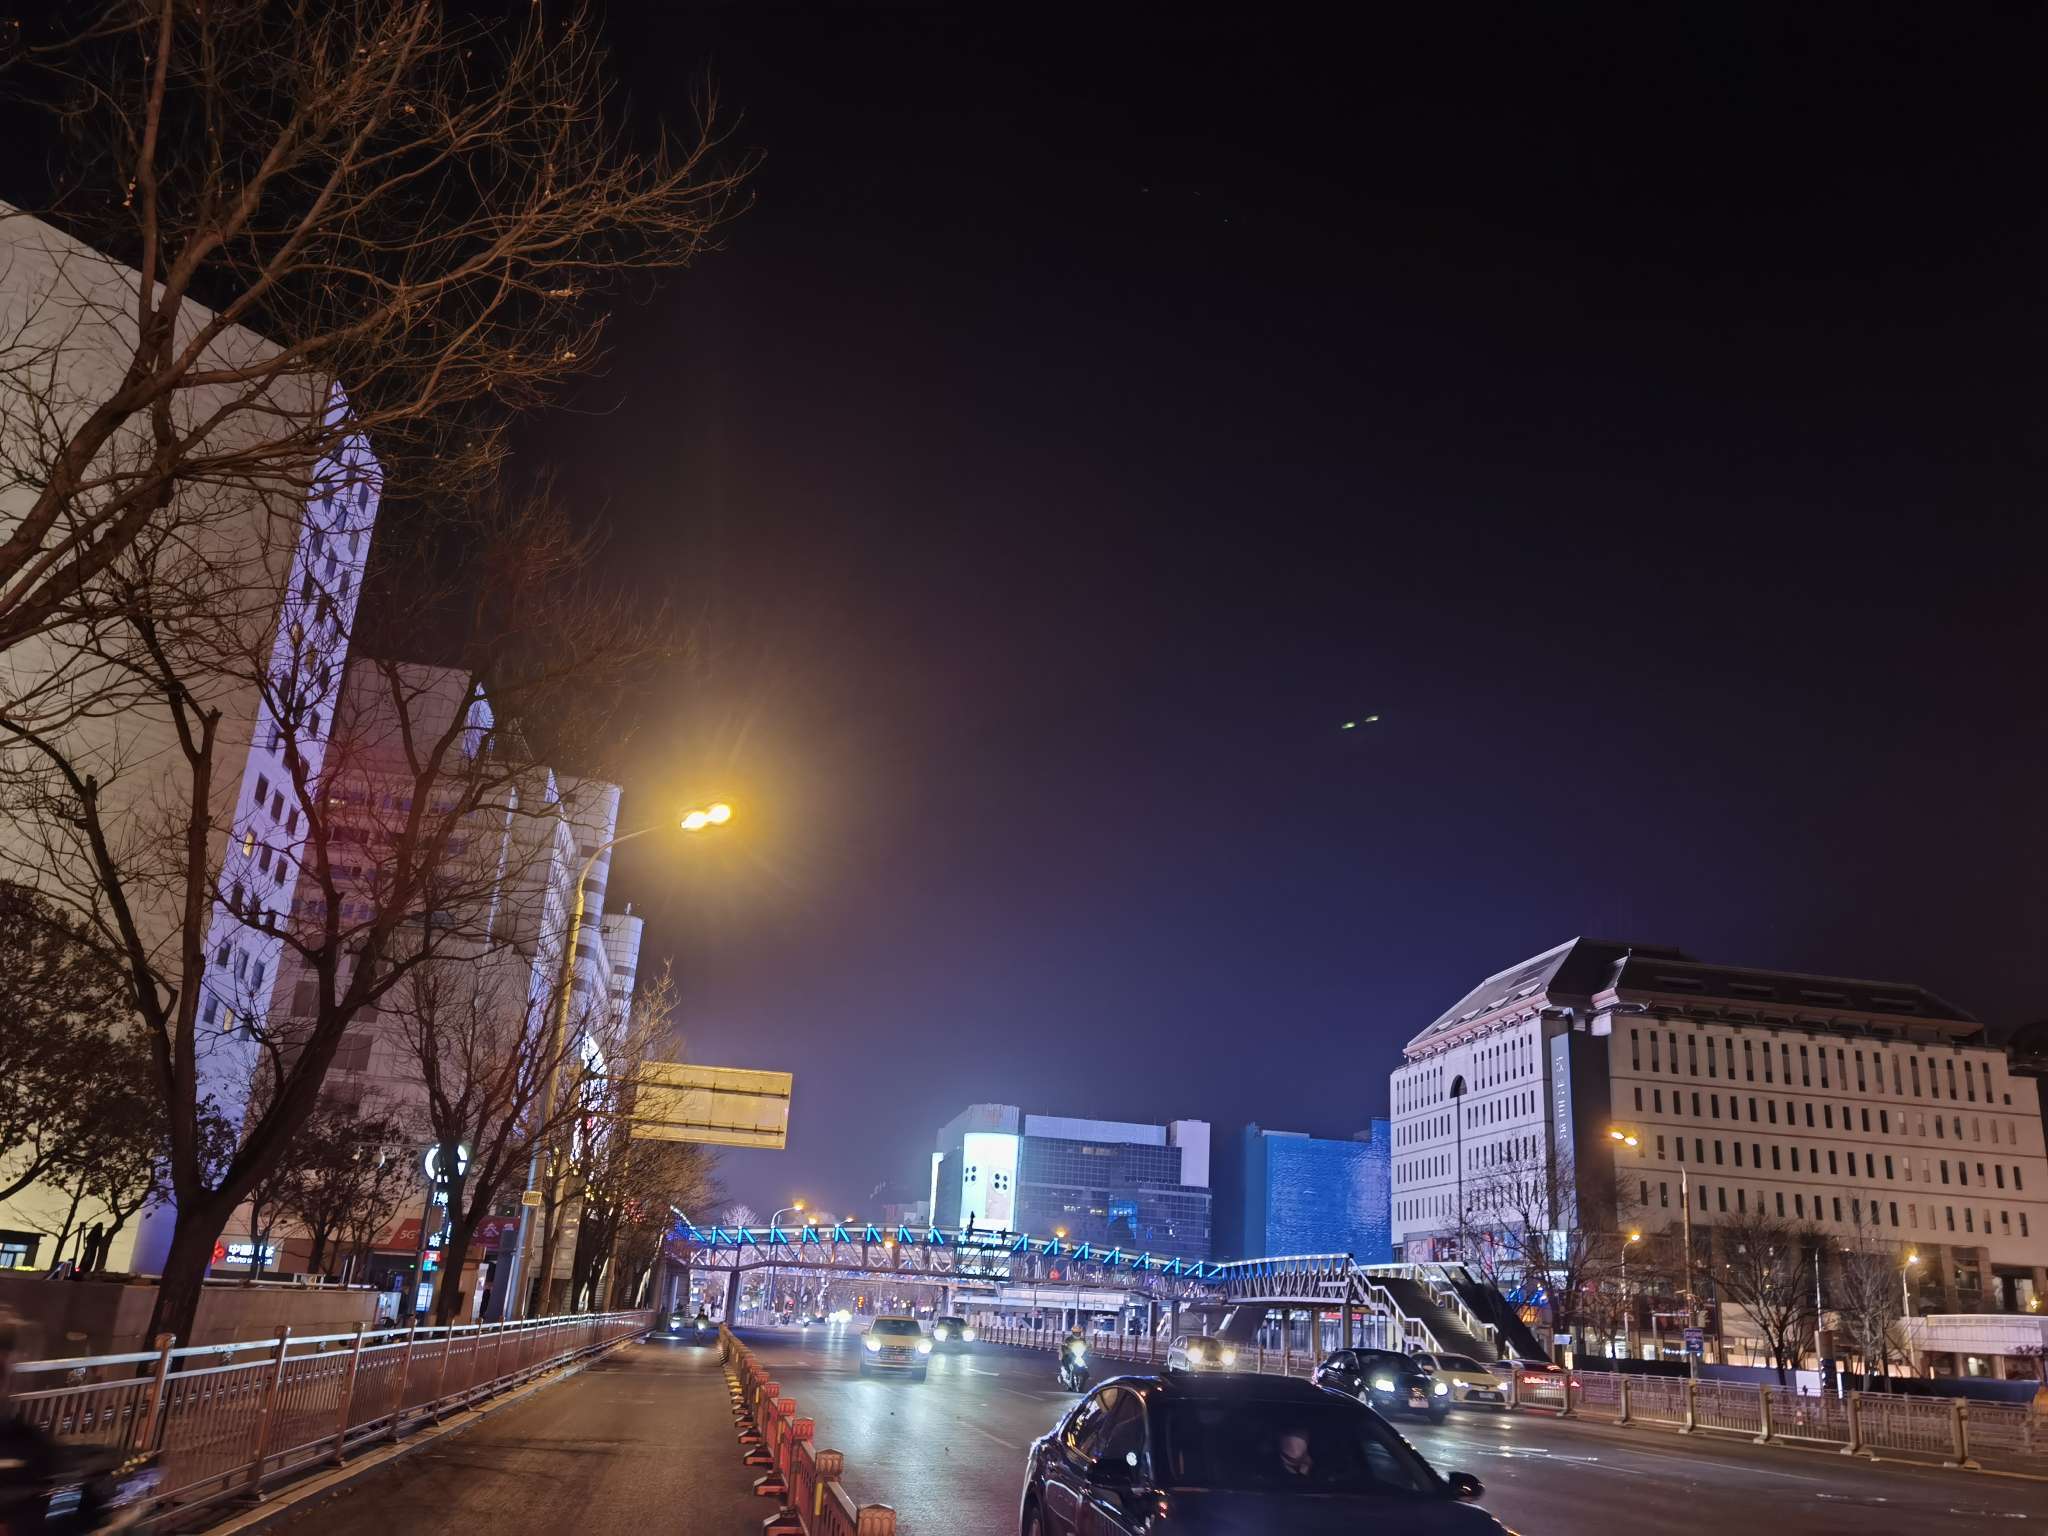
(1875,1111)
(1112,1183)
(286,565)
(1280,1193)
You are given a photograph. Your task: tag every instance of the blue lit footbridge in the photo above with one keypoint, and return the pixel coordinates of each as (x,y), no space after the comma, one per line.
(1315,1298)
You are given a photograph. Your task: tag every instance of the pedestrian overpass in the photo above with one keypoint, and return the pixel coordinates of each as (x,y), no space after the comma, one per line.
(1313,1297)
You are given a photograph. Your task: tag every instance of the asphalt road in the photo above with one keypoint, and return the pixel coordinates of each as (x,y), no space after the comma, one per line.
(639,1443)
(949,1455)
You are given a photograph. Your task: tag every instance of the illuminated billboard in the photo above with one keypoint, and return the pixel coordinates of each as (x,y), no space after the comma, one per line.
(988,1180)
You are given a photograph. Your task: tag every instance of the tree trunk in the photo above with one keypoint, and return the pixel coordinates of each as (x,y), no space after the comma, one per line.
(177,1294)
(319,1250)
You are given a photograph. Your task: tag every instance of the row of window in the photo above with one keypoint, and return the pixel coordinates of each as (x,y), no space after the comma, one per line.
(1831,1118)
(1840,1164)
(1720,1061)
(1714,1198)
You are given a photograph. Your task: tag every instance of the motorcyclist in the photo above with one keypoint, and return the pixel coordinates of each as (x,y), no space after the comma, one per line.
(703,1319)
(30,1458)
(1074,1357)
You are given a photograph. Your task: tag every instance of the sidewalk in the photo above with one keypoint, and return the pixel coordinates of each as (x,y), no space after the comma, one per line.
(641,1441)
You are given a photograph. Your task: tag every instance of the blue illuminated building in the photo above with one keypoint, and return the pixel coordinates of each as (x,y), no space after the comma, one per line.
(1286,1192)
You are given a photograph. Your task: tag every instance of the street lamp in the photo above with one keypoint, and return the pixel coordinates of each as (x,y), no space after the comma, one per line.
(1628,1138)
(716,814)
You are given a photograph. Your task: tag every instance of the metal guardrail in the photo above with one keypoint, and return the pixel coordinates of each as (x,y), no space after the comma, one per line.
(1952,1430)
(814,1500)
(228,1419)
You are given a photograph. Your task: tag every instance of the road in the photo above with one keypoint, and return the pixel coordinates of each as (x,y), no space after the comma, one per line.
(640,1442)
(949,1454)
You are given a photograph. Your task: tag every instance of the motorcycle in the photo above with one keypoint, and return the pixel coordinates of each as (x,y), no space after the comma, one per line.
(702,1331)
(1074,1366)
(84,1490)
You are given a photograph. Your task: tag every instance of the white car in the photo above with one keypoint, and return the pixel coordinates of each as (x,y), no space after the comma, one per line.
(1193,1352)
(1470,1382)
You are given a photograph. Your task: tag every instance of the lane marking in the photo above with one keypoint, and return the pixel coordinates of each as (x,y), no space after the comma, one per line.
(1008,1445)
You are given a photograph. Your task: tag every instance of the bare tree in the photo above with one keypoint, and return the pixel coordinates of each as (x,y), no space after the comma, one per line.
(419,817)
(1870,1298)
(1765,1265)
(623,1186)
(414,213)
(350,1166)
(1538,1223)
(477,1031)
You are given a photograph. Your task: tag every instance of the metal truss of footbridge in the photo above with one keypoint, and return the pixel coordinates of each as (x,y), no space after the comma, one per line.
(1398,1306)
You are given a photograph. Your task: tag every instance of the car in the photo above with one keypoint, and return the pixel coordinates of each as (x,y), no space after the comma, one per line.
(1193,1352)
(1470,1382)
(951,1333)
(1391,1383)
(1212,1453)
(895,1344)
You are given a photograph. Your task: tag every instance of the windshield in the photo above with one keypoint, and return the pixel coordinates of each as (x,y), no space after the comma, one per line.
(896,1327)
(1322,1448)
(1458,1363)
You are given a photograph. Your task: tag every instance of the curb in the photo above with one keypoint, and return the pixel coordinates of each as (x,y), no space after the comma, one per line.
(295,1498)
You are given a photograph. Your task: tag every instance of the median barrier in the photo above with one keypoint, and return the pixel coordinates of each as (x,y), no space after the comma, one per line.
(806,1480)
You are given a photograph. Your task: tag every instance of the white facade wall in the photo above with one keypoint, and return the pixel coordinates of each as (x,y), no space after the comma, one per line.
(297,575)
(1504,1109)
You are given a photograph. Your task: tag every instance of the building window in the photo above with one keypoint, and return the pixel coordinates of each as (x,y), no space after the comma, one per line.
(1888,1167)
(1695,1106)
(1657,1099)
(1775,1163)
(1838,1207)
(18,1249)
(1715,1101)
(1664,1194)
(262,789)
(1895,1211)
(1721,1196)
(1710,1057)
(1772,1106)
(1741,1202)
(1809,1114)
(1799,1205)
(1639,1098)
(1748,1064)
(1635,1050)
(1916,1077)
(1827,1116)
(1692,1056)
(1884,1122)
(1717,1154)
(1781,1202)
(1831,1160)
(1656,1062)
(1805,1069)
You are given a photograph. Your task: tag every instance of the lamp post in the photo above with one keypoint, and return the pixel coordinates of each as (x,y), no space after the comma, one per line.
(1629,1138)
(1628,1312)
(795,1208)
(1457,1097)
(1906,1296)
(716,814)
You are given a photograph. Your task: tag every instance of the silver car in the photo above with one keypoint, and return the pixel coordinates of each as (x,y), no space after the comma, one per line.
(1194,1352)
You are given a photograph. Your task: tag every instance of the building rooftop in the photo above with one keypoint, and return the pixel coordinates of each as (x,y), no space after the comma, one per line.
(1584,973)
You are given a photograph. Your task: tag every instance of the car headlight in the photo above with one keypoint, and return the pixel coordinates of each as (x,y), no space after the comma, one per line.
(872,1343)
(1228,1357)
(1383,1383)
(924,1346)
(967,1335)
(1441,1389)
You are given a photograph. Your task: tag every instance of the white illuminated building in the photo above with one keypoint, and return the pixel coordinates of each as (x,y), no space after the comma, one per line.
(1874,1110)
(295,568)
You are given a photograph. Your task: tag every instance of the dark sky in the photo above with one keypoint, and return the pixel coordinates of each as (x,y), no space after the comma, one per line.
(1096,410)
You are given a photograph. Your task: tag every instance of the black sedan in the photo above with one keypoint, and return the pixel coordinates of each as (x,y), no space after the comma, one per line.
(1209,1454)
(1391,1383)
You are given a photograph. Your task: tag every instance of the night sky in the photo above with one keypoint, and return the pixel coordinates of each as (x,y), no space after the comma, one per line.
(1096,411)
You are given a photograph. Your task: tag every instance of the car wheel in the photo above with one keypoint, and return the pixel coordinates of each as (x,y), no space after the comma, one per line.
(918,1377)
(863,1367)
(1438,1415)
(1033,1526)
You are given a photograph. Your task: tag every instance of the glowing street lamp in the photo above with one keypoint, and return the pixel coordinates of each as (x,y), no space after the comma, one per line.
(1628,1137)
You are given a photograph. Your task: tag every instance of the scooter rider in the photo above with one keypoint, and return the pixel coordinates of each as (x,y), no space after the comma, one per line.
(1074,1359)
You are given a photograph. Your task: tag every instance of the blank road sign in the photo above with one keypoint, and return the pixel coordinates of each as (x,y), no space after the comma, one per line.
(719,1106)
